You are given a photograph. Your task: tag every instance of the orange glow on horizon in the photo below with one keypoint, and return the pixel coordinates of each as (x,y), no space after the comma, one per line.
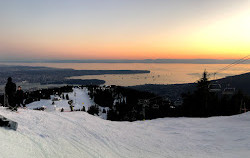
(227,38)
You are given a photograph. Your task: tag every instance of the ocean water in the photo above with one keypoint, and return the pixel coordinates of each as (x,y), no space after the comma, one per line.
(159,73)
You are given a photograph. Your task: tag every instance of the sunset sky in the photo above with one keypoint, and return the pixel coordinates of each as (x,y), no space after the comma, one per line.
(124,29)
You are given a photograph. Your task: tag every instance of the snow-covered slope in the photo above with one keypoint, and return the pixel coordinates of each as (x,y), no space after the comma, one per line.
(79,96)
(78,134)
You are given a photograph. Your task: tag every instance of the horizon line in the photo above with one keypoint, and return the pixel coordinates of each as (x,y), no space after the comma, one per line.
(187,61)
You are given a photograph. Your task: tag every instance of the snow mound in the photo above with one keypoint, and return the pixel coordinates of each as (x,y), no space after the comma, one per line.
(54,134)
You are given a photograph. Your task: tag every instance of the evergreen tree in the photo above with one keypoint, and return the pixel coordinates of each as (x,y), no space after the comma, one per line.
(196,104)
(93,110)
(67,96)
(83,108)
(202,94)
(203,83)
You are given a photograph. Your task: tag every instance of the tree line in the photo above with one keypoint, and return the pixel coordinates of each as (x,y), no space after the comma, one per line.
(204,103)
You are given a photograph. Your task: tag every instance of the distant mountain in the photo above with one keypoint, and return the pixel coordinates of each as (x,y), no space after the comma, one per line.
(190,61)
(174,91)
(240,82)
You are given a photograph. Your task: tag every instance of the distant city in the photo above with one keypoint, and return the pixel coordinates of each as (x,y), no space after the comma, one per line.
(46,75)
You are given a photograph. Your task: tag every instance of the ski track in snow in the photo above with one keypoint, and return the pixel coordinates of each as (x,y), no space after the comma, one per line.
(54,134)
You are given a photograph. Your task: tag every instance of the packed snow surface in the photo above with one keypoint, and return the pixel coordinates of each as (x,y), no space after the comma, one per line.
(54,134)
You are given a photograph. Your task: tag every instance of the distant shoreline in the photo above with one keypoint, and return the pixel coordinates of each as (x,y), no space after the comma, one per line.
(48,75)
(160,61)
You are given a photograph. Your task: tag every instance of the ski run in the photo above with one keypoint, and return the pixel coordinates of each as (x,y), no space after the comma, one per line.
(55,134)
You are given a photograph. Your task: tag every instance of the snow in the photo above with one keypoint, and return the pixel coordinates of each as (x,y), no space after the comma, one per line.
(55,134)
(79,96)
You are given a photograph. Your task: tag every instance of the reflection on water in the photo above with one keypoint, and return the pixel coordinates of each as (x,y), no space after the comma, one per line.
(160,73)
